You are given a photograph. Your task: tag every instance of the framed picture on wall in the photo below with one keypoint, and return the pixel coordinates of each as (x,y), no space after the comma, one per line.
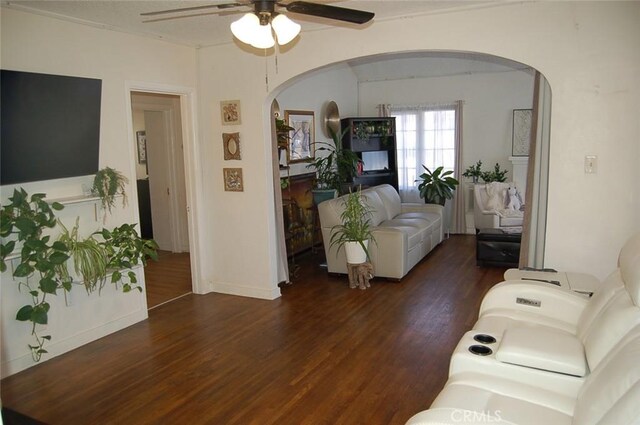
(141,138)
(230,110)
(233,179)
(302,137)
(521,138)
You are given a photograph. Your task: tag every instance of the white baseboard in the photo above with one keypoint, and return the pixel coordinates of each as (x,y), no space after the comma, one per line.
(245,291)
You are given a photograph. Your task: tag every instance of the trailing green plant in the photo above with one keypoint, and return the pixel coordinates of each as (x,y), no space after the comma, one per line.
(473,172)
(355,223)
(336,166)
(437,186)
(42,265)
(25,219)
(125,249)
(497,175)
(107,184)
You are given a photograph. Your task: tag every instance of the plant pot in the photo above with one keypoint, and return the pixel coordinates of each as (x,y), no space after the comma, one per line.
(354,252)
(321,195)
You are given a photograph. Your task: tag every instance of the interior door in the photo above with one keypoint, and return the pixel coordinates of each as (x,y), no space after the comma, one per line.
(156,126)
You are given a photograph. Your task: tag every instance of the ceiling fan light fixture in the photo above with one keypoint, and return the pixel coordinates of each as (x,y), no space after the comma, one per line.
(263,39)
(285,29)
(249,30)
(244,29)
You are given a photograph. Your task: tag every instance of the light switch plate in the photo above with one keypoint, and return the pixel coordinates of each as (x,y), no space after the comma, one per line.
(590,164)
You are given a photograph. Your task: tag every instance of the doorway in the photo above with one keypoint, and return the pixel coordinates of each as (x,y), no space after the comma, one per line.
(162,200)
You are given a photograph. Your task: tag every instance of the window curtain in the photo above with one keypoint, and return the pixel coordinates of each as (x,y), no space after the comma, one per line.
(430,135)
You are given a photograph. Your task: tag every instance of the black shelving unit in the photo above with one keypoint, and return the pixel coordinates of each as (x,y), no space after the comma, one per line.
(374,141)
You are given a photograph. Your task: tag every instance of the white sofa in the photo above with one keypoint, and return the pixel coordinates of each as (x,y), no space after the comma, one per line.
(559,357)
(404,232)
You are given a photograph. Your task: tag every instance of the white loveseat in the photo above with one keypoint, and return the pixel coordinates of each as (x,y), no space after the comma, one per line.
(489,209)
(558,357)
(404,232)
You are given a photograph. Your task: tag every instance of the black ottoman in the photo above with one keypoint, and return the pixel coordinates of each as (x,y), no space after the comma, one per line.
(497,248)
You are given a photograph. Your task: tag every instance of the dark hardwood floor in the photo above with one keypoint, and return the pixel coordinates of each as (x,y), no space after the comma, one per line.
(320,354)
(168,278)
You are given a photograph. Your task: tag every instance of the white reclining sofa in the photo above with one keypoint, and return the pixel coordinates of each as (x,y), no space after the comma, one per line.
(404,232)
(541,354)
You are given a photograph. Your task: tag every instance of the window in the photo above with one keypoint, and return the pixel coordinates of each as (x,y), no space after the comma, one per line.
(425,135)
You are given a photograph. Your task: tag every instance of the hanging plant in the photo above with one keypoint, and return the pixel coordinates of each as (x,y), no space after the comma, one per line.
(107,184)
(42,266)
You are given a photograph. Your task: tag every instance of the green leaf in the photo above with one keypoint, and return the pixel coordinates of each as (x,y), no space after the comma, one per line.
(126,288)
(7,248)
(48,286)
(116,276)
(23,270)
(60,246)
(57,206)
(39,314)
(24,314)
(58,257)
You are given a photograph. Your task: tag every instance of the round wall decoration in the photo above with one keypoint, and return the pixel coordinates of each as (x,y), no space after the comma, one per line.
(331,119)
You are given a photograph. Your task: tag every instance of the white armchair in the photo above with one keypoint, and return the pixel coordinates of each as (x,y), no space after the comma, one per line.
(489,210)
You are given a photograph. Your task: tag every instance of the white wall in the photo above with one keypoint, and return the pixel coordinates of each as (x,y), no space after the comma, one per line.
(38,44)
(489,100)
(587,51)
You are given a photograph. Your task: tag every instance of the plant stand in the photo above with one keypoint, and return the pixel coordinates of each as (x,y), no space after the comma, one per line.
(360,274)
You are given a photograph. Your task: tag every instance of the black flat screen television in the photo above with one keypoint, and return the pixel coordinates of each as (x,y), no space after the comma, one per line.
(50,126)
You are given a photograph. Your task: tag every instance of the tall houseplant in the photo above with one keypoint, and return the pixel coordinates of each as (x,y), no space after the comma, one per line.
(335,166)
(354,232)
(437,186)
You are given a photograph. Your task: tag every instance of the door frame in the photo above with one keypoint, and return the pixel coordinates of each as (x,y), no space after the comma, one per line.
(193,181)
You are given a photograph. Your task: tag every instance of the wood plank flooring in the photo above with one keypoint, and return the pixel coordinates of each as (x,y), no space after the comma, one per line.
(168,278)
(320,354)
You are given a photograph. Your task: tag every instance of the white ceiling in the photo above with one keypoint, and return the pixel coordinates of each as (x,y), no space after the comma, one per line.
(208,28)
(211,27)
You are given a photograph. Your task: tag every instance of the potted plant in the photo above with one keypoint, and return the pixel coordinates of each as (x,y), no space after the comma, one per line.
(436,187)
(107,184)
(335,167)
(41,264)
(473,172)
(354,233)
(497,175)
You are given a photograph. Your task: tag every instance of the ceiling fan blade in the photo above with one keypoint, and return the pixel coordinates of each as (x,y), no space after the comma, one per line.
(330,12)
(191,9)
(192,15)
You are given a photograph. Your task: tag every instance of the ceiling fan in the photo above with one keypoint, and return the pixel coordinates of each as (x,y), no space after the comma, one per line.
(255,28)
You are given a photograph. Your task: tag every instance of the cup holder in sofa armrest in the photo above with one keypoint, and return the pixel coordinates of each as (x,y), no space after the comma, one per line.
(480,350)
(484,338)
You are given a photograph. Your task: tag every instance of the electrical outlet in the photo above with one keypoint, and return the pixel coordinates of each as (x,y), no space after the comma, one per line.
(591,164)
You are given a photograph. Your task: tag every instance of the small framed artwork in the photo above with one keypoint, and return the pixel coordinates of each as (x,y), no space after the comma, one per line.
(141,139)
(231,146)
(521,138)
(301,138)
(230,110)
(233,179)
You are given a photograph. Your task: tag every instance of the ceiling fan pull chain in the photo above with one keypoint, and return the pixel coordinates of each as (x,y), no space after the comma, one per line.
(266,71)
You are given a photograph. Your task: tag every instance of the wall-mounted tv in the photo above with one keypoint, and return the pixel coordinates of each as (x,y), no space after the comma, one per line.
(50,126)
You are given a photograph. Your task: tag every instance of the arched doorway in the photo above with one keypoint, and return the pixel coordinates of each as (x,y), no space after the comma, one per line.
(492,87)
